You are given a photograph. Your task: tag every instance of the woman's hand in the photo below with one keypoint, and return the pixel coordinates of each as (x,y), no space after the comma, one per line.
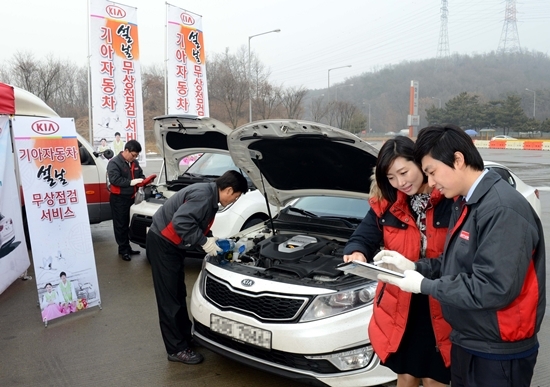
(355,256)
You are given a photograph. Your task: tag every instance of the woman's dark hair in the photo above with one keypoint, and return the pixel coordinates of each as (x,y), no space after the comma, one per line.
(234,180)
(49,283)
(400,146)
(62,274)
(442,141)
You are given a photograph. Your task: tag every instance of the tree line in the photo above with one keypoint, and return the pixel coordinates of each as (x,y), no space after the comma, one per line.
(473,92)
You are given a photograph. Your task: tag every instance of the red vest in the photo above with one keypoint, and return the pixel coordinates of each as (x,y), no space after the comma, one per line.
(390,313)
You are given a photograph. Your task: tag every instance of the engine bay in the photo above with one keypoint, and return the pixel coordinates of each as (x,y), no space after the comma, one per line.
(288,256)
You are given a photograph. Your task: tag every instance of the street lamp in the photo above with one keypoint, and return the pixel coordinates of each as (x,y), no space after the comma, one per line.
(438,100)
(250,73)
(534,100)
(328,88)
(368,125)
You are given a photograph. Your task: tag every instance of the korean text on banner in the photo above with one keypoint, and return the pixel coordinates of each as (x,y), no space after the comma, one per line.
(117,103)
(186,63)
(57,215)
(14,256)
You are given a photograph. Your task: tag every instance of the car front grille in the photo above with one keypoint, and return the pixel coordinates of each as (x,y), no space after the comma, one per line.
(292,360)
(267,307)
(138,228)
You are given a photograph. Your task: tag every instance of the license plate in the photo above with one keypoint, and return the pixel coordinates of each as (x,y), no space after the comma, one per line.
(241,332)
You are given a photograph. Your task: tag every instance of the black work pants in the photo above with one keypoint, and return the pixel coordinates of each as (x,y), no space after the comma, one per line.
(468,370)
(120,210)
(169,281)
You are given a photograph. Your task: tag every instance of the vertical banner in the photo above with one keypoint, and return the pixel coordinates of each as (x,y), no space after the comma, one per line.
(186,63)
(57,215)
(117,103)
(14,256)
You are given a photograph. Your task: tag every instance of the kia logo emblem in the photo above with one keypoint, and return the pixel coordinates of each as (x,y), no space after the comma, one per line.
(187,19)
(247,282)
(116,12)
(45,127)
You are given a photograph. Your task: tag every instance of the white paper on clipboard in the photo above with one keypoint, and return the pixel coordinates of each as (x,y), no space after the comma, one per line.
(367,270)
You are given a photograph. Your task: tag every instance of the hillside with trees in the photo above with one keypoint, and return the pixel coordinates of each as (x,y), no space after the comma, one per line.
(486,90)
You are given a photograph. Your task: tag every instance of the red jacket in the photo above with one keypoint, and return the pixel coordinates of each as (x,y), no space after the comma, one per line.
(391,308)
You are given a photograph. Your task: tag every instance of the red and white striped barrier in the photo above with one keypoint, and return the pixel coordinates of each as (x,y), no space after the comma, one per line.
(513,144)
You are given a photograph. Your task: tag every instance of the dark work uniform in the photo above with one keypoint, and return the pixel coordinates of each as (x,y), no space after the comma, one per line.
(182,222)
(121,173)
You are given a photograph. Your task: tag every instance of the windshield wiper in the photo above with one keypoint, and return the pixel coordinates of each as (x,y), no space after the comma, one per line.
(303,212)
(346,220)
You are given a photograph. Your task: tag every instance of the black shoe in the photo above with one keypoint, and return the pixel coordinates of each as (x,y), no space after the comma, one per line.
(187,357)
(126,257)
(134,252)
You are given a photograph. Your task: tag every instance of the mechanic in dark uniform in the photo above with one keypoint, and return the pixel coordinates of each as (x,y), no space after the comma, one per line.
(184,222)
(124,174)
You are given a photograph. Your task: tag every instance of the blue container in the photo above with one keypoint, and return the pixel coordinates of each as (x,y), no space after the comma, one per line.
(226,245)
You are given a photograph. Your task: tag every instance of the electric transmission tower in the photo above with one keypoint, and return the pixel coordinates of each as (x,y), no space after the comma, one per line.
(443,51)
(509,38)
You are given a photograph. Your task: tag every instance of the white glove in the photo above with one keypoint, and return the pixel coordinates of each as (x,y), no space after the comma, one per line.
(135,181)
(411,283)
(392,260)
(210,247)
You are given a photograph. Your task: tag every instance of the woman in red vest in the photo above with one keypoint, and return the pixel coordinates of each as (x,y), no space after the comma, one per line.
(407,331)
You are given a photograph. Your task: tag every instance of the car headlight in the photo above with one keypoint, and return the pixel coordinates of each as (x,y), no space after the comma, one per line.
(348,360)
(341,302)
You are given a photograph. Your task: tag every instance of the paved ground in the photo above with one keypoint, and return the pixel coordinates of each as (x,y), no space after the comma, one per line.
(120,345)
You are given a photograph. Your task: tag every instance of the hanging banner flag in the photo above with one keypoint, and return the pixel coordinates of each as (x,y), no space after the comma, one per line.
(186,63)
(117,103)
(57,215)
(14,256)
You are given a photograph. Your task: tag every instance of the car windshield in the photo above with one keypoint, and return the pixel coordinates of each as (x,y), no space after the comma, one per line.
(212,164)
(333,206)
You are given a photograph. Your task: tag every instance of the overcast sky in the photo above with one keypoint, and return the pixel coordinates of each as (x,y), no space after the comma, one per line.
(316,35)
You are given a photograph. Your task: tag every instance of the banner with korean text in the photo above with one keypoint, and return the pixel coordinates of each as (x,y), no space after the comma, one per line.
(186,63)
(14,256)
(117,103)
(57,215)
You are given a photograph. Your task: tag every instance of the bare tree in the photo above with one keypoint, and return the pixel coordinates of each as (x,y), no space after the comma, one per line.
(319,108)
(292,101)
(228,83)
(268,99)
(344,114)
(152,78)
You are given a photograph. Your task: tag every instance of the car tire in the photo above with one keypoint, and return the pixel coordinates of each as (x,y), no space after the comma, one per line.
(252,222)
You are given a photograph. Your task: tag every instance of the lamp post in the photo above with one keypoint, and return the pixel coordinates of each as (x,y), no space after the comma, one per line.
(250,73)
(438,100)
(329,70)
(368,125)
(534,100)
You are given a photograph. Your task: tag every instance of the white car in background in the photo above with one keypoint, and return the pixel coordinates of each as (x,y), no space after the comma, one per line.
(179,137)
(503,137)
(282,306)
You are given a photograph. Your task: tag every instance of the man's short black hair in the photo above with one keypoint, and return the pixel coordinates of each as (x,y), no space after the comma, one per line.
(442,141)
(234,180)
(133,146)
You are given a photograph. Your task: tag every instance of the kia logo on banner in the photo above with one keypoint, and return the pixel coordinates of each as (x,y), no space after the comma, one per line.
(45,127)
(247,282)
(187,19)
(116,12)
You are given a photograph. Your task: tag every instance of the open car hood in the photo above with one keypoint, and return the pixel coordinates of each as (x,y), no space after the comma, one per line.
(178,136)
(291,158)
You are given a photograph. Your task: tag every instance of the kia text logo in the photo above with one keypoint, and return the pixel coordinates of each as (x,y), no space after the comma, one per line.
(187,19)
(247,282)
(45,127)
(116,12)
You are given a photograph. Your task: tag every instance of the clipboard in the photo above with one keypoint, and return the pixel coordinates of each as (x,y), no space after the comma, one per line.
(366,270)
